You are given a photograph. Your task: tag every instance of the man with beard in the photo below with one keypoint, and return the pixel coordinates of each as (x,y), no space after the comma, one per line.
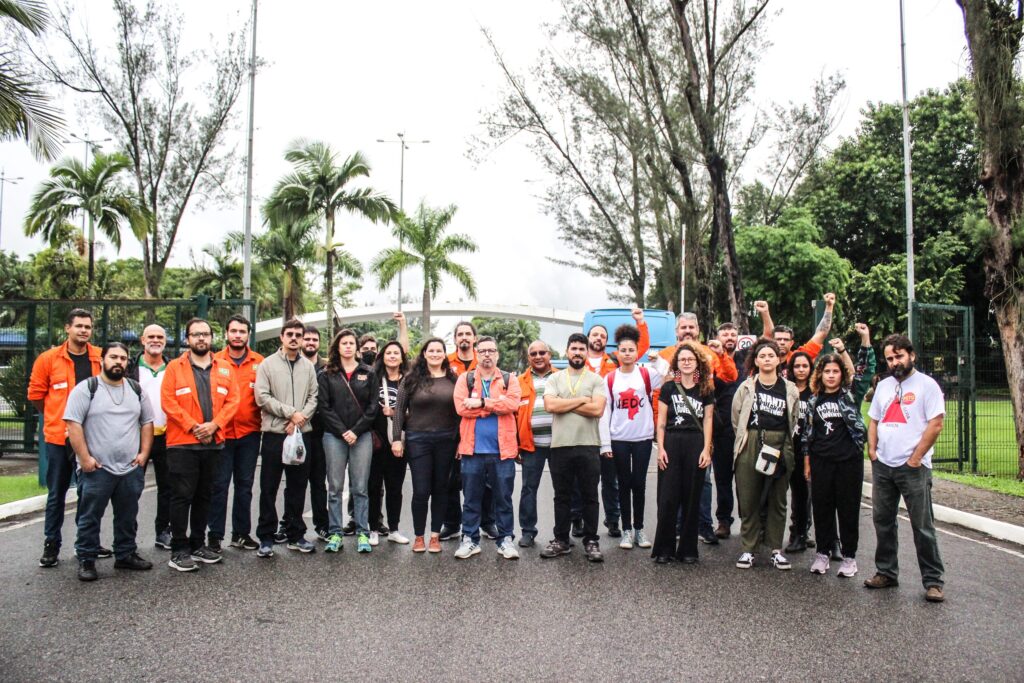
(54,374)
(314,442)
(198,395)
(241,443)
(907,413)
(110,426)
(148,370)
(576,398)
(783,335)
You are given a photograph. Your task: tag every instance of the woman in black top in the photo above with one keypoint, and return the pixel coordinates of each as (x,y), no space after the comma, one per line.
(387,472)
(799,373)
(425,411)
(684,452)
(347,402)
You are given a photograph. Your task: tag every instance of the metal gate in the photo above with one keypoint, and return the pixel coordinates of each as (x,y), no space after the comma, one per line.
(944,341)
(29,327)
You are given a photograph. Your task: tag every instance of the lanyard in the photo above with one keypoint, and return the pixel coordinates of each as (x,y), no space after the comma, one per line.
(573,390)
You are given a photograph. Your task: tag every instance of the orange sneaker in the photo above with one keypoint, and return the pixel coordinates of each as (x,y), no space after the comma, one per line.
(435,544)
(418,546)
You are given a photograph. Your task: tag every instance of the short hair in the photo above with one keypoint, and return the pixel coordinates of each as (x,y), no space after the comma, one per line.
(727,326)
(113,345)
(464,323)
(311,329)
(76,313)
(577,338)
(686,315)
(627,332)
(596,325)
(196,321)
(292,324)
(366,338)
(236,318)
(784,329)
(486,338)
(898,342)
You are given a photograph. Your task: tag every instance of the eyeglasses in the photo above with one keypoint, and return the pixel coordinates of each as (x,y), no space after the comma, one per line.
(293,335)
(687,361)
(487,352)
(200,335)
(534,354)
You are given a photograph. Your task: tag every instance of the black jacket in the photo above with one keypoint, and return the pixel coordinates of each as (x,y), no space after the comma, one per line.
(339,409)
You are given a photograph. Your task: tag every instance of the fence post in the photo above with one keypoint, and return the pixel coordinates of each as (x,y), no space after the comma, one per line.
(202,306)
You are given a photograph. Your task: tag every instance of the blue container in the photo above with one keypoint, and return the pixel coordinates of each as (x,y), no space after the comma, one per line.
(660,323)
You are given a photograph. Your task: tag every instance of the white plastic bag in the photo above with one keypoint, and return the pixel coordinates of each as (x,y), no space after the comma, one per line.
(294,450)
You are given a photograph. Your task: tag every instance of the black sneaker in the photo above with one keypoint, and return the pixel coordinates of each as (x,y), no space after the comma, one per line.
(350,528)
(707,536)
(50,552)
(323,535)
(797,544)
(87,570)
(577,528)
(280,537)
(214,545)
(104,553)
(182,561)
(555,548)
(243,542)
(613,529)
(490,531)
(383,529)
(133,561)
(449,532)
(206,556)
(527,541)
(593,551)
(163,540)
(837,552)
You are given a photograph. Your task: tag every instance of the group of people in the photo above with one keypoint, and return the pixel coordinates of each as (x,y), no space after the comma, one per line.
(772,422)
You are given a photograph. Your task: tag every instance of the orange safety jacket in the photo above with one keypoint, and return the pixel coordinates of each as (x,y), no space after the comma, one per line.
(608,363)
(52,379)
(248,418)
(503,402)
(457,366)
(524,417)
(811,348)
(181,404)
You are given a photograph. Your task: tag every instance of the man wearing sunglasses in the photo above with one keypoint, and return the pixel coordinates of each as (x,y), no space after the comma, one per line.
(534,425)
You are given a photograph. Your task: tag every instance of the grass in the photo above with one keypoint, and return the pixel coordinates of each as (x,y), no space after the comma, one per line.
(1007,485)
(20,486)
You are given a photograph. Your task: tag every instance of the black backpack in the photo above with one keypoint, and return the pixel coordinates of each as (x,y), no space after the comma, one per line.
(471,377)
(94,384)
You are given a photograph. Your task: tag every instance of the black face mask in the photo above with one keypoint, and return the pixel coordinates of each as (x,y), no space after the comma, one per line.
(369,357)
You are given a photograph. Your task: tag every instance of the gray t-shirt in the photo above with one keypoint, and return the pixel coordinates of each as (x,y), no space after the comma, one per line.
(570,429)
(111,421)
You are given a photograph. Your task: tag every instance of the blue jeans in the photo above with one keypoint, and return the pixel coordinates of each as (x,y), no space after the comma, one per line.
(238,460)
(122,492)
(631,459)
(357,459)
(609,494)
(477,470)
(704,521)
(533,470)
(60,468)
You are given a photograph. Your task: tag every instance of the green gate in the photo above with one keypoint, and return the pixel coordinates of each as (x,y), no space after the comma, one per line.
(29,327)
(944,341)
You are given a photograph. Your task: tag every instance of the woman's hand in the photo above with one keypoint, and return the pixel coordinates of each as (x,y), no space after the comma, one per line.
(349,437)
(388,411)
(662,458)
(705,459)
(396,449)
(807,469)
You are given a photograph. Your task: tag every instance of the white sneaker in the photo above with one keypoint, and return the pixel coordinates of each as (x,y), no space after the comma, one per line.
(820,564)
(641,539)
(746,561)
(467,548)
(397,537)
(507,549)
(627,539)
(848,567)
(374,538)
(779,561)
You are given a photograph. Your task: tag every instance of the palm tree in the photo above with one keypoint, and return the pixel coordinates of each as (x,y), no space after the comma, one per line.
(523,333)
(72,188)
(25,111)
(225,275)
(426,245)
(318,188)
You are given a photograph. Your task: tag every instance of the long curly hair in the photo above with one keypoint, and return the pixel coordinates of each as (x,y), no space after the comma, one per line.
(419,374)
(703,376)
(817,385)
(378,364)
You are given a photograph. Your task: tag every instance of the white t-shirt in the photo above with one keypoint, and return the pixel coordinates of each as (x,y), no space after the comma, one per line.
(150,383)
(628,414)
(902,411)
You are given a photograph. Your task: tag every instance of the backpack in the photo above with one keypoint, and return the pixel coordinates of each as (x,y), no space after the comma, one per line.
(610,378)
(471,377)
(94,384)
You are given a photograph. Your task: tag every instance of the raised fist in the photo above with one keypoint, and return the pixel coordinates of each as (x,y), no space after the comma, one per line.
(830,300)
(638,314)
(761,306)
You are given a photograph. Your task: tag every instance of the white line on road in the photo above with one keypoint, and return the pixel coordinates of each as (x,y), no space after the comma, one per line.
(966,538)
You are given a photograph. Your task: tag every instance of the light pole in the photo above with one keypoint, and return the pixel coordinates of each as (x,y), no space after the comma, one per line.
(4,180)
(247,229)
(403,144)
(908,185)
(88,142)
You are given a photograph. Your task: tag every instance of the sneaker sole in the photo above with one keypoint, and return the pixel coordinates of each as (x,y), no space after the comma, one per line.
(821,572)
(364,550)
(179,568)
(205,561)
(475,551)
(265,557)
(595,559)
(403,541)
(743,565)
(162,546)
(333,550)
(297,549)
(559,554)
(845,575)
(782,568)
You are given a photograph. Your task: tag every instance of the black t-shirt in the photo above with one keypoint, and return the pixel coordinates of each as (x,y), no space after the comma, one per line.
(83,367)
(769,410)
(678,418)
(380,422)
(464,363)
(805,396)
(832,439)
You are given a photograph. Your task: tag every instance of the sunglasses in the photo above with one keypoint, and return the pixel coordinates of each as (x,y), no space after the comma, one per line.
(534,354)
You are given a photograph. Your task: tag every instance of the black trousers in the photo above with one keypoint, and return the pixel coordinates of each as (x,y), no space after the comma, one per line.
(836,490)
(571,466)
(723,439)
(191,473)
(296,479)
(431,456)
(158,456)
(800,495)
(680,486)
(387,476)
(314,442)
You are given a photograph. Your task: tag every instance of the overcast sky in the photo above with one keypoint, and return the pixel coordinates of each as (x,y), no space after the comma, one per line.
(349,73)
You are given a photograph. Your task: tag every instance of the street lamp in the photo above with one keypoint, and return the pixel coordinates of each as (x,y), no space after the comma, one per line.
(89,142)
(4,180)
(403,145)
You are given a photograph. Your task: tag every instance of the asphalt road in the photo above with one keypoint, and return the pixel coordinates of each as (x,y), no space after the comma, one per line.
(393,615)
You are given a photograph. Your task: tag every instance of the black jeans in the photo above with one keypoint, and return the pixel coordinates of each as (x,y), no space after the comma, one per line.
(238,464)
(431,456)
(317,460)
(192,473)
(836,490)
(387,476)
(680,486)
(571,467)
(631,460)
(800,499)
(158,456)
(296,478)
(609,482)
(723,439)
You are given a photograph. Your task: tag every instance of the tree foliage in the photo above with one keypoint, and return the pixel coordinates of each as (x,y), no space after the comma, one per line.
(513,338)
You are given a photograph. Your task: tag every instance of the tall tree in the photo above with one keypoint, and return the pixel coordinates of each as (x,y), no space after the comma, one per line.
(25,110)
(289,249)
(426,245)
(95,191)
(223,278)
(319,188)
(143,91)
(994,29)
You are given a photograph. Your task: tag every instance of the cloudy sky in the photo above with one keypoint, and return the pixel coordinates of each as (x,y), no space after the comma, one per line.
(350,73)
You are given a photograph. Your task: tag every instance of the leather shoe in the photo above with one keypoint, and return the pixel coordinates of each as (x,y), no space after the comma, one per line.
(527,541)
(577,528)
(723,530)
(87,570)
(797,544)
(689,560)
(613,529)
(133,561)
(662,559)
(881,581)
(934,594)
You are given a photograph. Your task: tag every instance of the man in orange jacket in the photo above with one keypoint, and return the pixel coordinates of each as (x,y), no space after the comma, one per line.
(198,395)
(241,443)
(54,374)
(534,427)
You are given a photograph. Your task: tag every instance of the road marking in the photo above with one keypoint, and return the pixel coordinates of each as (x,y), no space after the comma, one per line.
(961,536)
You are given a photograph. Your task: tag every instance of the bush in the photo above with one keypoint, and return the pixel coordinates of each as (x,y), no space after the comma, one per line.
(13,387)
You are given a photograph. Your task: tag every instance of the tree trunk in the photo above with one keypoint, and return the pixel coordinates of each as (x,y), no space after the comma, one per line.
(329,276)
(726,239)
(426,306)
(92,256)
(1008,317)
(286,296)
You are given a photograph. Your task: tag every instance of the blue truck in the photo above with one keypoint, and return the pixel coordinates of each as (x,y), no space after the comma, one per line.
(660,323)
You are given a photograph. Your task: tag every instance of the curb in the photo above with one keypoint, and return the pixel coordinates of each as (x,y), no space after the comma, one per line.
(1004,531)
(33,504)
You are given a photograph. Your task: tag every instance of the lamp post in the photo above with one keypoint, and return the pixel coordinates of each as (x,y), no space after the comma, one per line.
(88,142)
(247,228)
(403,145)
(4,180)
(908,185)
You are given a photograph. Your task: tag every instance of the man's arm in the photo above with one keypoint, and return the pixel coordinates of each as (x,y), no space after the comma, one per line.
(76,435)
(873,439)
(145,444)
(403,330)
(825,325)
(645,334)
(508,402)
(594,406)
(767,325)
(928,439)
(560,406)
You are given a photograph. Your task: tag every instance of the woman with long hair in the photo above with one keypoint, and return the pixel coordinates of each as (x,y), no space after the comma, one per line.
(684,434)
(764,414)
(833,437)
(387,472)
(799,373)
(425,411)
(347,402)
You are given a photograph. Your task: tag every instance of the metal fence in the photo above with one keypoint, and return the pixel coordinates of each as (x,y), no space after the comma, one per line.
(29,327)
